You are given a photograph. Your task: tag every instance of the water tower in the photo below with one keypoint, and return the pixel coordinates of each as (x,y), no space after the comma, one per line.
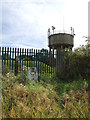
(59,40)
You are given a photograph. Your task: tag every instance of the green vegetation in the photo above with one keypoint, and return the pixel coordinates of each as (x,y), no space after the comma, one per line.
(77,64)
(45,99)
(64,95)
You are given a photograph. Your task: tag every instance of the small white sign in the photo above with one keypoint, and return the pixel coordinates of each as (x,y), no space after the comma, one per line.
(32,74)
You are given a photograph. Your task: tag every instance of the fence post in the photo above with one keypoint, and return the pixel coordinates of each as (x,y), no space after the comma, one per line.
(36,58)
(38,62)
(48,60)
(20,59)
(16,66)
(27,58)
(10,57)
(2,58)
(16,63)
(45,62)
(7,55)
(53,62)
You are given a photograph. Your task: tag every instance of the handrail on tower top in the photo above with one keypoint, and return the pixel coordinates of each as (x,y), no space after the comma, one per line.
(71,31)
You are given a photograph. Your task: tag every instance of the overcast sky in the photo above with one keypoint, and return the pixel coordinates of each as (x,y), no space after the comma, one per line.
(25,22)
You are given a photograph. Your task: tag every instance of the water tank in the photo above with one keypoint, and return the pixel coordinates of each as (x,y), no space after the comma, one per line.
(60,41)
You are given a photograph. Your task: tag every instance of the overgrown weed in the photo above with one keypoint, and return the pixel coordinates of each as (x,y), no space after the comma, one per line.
(40,100)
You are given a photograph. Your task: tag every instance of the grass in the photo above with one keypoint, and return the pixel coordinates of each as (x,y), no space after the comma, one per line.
(48,98)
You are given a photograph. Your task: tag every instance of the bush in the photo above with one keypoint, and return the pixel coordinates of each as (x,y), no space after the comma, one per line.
(76,65)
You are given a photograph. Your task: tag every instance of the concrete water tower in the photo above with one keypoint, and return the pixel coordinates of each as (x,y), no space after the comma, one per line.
(60,40)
